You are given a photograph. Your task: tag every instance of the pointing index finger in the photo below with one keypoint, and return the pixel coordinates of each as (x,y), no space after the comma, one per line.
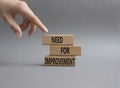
(28,13)
(37,22)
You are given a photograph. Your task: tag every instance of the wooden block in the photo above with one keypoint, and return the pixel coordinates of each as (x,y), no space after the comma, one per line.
(60,60)
(51,39)
(65,50)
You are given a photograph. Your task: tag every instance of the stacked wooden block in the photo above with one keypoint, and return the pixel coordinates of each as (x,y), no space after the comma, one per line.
(63,52)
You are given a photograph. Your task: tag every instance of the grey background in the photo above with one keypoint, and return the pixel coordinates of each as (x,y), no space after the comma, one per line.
(96,26)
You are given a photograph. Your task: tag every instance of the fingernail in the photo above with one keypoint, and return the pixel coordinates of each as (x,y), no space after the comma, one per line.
(18,34)
(46,30)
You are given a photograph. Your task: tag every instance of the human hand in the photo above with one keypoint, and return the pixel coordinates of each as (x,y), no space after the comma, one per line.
(10,8)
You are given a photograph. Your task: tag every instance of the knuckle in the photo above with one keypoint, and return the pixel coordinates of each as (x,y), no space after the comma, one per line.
(21,4)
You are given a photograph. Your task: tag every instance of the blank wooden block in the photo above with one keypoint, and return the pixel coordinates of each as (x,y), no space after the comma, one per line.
(51,39)
(65,50)
(60,60)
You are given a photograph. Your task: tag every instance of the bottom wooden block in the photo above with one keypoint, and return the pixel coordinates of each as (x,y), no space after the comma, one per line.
(60,60)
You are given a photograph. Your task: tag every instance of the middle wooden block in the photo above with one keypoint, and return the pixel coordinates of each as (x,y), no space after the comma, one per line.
(65,50)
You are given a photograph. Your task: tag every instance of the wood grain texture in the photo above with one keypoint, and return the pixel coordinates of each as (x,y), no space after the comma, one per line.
(65,50)
(60,60)
(57,39)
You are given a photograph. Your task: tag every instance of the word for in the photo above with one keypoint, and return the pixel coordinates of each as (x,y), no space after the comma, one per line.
(65,50)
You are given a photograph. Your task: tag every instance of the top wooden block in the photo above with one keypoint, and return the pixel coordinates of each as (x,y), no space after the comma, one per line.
(58,39)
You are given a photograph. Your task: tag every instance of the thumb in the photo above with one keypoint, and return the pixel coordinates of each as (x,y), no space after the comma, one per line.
(15,27)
